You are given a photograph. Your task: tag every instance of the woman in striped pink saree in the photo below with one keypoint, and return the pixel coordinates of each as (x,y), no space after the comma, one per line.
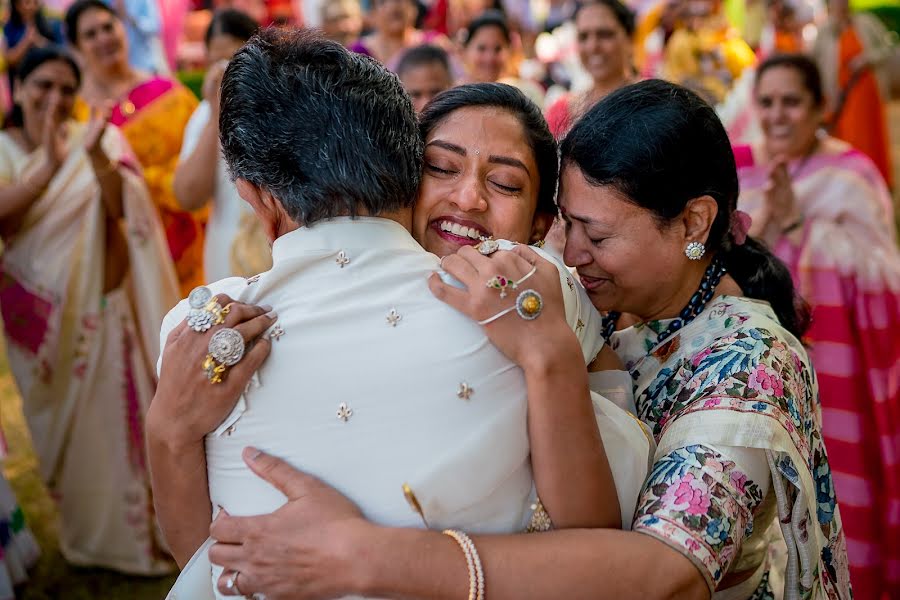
(826,211)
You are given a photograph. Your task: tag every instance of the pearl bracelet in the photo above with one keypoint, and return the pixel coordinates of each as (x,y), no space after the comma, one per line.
(473,563)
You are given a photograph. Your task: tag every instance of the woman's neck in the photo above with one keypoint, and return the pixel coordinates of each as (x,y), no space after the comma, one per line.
(804,153)
(112,84)
(29,140)
(392,43)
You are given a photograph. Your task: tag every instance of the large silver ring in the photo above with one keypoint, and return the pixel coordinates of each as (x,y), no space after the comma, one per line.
(203,313)
(200,319)
(487,246)
(227,346)
(199,297)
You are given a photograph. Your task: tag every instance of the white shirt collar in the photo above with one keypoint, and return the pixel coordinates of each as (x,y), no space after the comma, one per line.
(345,233)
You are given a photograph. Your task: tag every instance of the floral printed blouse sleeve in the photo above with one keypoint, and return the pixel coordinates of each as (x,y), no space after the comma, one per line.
(701,504)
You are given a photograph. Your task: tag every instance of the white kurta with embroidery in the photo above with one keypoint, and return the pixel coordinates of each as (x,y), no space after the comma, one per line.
(369,403)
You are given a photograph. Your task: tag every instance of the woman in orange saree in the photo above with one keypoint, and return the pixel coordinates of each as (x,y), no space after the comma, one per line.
(849,50)
(152,112)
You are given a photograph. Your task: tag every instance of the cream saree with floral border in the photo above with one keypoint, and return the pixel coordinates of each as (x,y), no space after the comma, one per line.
(83,359)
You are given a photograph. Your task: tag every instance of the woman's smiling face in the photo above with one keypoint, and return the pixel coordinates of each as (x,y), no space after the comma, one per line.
(480,179)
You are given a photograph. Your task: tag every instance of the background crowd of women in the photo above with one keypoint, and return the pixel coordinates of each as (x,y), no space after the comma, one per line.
(115,202)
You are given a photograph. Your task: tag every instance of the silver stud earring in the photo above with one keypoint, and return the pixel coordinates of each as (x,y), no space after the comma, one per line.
(695,251)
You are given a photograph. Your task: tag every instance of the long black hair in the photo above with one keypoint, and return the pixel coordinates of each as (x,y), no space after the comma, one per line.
(512,100)
(661,146)
(34,58)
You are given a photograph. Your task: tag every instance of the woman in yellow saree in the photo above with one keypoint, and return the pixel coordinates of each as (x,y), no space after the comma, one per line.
(85,279)
(152,112)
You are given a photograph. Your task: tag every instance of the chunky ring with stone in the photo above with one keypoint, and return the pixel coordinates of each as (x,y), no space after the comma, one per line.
(227,346)
(487,246)
(499,282)
(529,305)
(199,297)
(200,319)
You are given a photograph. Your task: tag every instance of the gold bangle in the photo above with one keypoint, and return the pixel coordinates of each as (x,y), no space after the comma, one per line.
(473,563)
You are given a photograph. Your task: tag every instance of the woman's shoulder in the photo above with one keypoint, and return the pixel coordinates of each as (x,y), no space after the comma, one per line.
(156,85)
(745,337)
(841,162)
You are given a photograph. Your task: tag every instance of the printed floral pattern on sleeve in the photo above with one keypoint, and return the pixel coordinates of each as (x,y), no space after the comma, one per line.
(701,504)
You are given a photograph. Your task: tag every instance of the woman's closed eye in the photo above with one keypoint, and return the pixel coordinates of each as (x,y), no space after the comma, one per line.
(431,168)
(507,189)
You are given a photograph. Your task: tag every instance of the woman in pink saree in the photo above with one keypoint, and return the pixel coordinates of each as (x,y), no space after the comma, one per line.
(85,280)
(825,210)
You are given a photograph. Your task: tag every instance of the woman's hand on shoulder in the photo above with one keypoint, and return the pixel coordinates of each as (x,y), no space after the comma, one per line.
(517,284)
(187,405)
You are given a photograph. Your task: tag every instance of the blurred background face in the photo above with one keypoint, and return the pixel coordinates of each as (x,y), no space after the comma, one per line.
(788,114)
(342,21)
(27,8)
(486,55)
(480,179)
(52,86)
(393,17)
(603,46)
(222,47)
(101,40)
(424,82)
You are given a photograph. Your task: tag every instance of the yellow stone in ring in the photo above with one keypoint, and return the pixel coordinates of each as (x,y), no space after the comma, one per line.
(531,305)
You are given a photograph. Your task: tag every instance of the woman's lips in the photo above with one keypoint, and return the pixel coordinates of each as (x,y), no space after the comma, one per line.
(592,283)
(458,231)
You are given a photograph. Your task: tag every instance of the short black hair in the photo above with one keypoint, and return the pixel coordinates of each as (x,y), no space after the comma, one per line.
(229,21)
(512,100)
(804,65)
(326,131)
(489,18)
(623,14)
(419,56)
(73,15)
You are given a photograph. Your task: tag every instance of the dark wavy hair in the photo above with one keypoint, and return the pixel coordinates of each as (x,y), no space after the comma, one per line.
(660,145)
(328,132)
(512,100)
